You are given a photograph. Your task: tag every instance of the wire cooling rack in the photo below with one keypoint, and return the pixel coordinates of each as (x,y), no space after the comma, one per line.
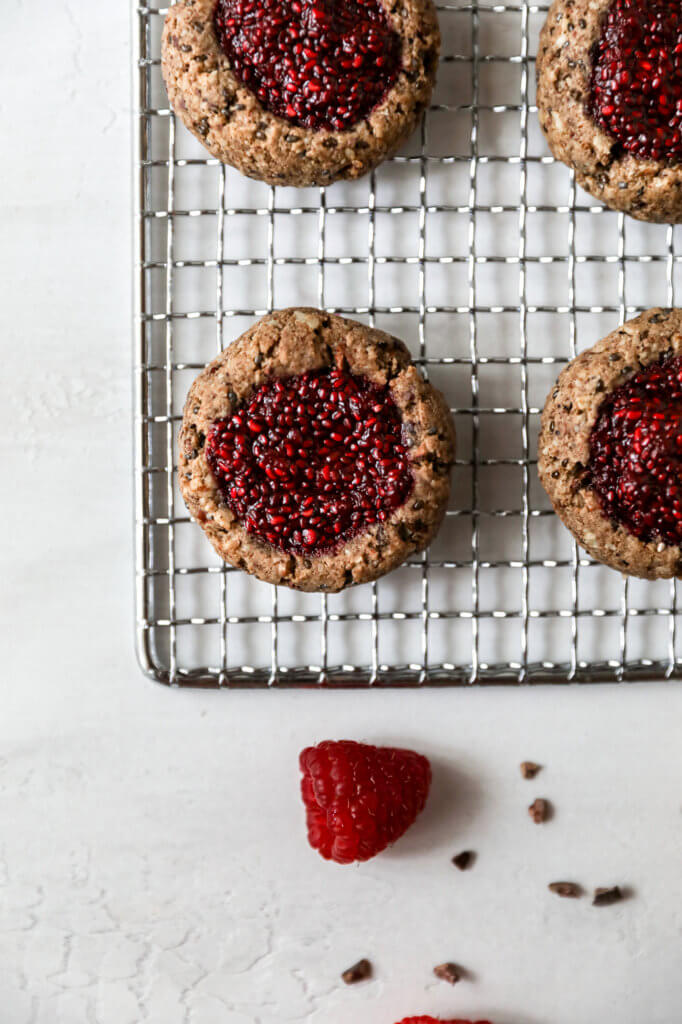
(478,250)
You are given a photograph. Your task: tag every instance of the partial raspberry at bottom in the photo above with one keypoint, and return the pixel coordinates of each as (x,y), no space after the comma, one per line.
(360,798)
(438,1020)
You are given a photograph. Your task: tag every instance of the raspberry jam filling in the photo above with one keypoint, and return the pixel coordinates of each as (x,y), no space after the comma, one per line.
(636,81)
(310,461)
(315,63)
(636,453)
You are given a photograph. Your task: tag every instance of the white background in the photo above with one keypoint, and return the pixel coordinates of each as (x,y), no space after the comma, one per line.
(153,864)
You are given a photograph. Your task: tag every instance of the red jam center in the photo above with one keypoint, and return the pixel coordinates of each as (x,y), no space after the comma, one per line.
(312,460)
(636,453)
(316,63)
(636,82)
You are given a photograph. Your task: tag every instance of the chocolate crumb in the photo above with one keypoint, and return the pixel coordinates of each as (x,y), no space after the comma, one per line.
(358,972)
(448,972)
(464,859)
(539,810)
(569,890)
(604,897)
(529,769)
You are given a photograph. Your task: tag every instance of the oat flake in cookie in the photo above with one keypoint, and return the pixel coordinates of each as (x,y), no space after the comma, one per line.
(300,92)
(610,450)
(610,100)
(314,454)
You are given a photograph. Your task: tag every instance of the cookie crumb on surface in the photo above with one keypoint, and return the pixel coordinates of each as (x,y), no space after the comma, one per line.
(529,769)
(464,859)
(539,810)
(358,972)
(569,890)
(448,972)
(606,895)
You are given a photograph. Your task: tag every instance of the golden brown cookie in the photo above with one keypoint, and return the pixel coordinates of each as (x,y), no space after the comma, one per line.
(609,95)
(300,93)
(314,454)
(610,448)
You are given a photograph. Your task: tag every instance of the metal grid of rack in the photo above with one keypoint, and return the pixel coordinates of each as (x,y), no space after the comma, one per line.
(478,250)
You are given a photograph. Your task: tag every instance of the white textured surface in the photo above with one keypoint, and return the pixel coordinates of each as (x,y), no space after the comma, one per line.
(152,859)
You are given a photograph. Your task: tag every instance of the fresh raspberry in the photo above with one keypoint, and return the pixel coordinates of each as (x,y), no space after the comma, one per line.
(437,1020)
(360,798)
